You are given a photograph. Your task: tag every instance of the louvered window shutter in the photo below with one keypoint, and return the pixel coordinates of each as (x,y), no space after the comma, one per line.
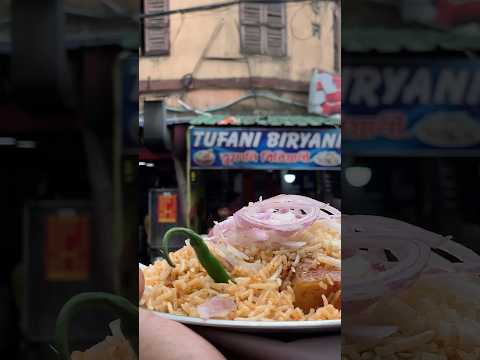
(251,28)
(275,32)
(263,29)
(156,29)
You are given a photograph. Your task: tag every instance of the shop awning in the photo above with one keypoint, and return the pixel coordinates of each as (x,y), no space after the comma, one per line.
(388,40)
(270,120)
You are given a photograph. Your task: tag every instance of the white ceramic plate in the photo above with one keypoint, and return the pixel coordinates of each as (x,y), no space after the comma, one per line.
(312,326)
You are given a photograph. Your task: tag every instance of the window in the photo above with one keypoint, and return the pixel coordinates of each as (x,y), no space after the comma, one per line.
(263,29)
(156,29)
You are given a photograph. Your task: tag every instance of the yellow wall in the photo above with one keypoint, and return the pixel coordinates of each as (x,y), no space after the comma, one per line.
(190,33)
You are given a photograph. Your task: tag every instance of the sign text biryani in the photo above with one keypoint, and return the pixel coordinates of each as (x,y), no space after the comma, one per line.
(273,260)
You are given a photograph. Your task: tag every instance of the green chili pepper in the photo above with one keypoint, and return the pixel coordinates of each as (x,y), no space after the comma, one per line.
(209,262)
(121,307)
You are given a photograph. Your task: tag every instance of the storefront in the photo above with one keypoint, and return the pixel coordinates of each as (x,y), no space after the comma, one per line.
(225,154)
(220,162)
(411,126)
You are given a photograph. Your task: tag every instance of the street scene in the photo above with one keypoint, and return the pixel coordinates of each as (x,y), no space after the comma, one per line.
(240,116)
(248,107)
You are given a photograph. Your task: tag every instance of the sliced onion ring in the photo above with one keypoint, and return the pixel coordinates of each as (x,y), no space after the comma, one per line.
(358,294)
(273,221)
(284,213)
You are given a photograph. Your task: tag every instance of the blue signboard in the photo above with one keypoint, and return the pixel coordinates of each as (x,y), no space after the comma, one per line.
(410,106)
(265,148)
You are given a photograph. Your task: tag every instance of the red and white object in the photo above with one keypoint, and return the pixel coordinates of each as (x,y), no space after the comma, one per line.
(325,94)
(441,13)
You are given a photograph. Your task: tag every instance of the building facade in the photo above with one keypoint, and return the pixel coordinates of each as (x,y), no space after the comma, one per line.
(206,59)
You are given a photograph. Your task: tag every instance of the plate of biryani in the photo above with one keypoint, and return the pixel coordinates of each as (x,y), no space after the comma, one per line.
(409,293)
(274,265)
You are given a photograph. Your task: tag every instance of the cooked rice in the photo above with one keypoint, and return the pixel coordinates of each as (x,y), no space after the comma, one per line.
(259,294)
(437,322)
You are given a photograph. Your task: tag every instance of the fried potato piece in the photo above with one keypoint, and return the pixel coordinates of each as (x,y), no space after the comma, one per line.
(311,282)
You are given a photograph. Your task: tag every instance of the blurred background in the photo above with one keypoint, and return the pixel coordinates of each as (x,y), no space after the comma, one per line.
(411,151)
(68,81)
(410,111)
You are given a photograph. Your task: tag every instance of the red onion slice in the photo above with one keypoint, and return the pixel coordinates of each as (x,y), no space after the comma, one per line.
(294,244)
(358,292)
(284,213)
(328,210)
(274,221)
(218,306)
(377,259)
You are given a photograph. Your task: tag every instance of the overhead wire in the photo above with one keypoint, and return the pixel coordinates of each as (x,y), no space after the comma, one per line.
(187,15)
(182,19)
(217,6)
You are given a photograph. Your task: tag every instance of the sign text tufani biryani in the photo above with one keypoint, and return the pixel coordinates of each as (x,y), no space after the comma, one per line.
(276,259)
(257,148)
